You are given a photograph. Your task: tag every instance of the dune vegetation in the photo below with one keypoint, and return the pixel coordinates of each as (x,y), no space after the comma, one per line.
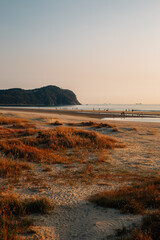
(70,154)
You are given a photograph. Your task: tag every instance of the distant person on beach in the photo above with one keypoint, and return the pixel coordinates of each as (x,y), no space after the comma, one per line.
(122,114)
(132,112)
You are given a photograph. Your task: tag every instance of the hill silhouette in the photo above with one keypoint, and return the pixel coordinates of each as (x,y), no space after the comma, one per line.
(44,96)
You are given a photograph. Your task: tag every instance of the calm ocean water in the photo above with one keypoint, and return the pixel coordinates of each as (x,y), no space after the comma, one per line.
(121,107)
(118,107)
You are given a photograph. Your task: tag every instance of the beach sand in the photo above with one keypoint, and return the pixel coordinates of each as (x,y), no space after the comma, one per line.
(99,114)
(73,216)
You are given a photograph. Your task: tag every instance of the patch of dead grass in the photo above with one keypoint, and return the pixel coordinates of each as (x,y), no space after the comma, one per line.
(63,138)
(150,228)
(85,173)
(8,120)
(134,199)
(51,145)
(11,168)
(13,133)
(13,211)
(94,125)
(19,150)
(11,204)
(56,123)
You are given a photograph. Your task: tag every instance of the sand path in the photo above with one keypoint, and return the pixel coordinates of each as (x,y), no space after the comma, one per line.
(75,218)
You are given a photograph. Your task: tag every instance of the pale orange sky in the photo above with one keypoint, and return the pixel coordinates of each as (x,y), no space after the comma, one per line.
(103,50)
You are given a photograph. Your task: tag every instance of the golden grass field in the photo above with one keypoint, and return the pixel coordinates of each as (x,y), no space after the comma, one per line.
(68,177)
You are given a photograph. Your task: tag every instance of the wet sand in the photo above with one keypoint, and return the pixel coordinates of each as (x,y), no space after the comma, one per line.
(89,113)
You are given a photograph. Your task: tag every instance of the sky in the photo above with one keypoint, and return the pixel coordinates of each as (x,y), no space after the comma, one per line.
(106,51)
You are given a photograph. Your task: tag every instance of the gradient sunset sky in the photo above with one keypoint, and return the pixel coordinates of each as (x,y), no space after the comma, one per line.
(103,50)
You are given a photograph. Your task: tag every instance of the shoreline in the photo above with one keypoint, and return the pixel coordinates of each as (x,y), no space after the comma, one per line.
(90,113)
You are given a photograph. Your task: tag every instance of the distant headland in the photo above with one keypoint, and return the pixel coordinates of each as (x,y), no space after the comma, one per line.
(44,96)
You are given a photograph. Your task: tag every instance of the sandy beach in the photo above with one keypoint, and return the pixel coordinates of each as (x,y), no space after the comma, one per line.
(99,114)
(73,216)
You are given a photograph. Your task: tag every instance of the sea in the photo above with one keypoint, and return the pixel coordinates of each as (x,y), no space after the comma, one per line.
(114,107)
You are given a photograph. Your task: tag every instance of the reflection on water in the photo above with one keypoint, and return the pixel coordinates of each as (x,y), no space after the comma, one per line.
(134,119)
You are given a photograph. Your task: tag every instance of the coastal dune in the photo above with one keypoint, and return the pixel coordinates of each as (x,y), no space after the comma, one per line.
(73,216)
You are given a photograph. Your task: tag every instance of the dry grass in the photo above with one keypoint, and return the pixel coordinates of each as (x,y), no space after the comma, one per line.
(49,145)
(15,127)
(23,126)
(95,169)
(11,204)
(10,228)
(47,169)
(135,199)
(19,150)
(65,146)
(13,133)
(9,121)
(63,138)
(12,210)
(42,205)
(16,123)
(94,125)
(61,145)
(10,168)
(6,132)
(150,228)
(85,174)
(56,123)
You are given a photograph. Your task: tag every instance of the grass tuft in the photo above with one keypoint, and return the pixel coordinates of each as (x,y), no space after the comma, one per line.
(149,230)
(62,137)
(42,205)
(10,168)
(56,123)
(94,125)
(11,204)
(12,210)
(135,199)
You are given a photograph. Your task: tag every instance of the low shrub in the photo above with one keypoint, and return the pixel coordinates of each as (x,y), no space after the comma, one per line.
(9,120)
(12,205)
(12,210)
(20,150)
(61,138)
(135,199)
(94,125)
(149,230)
(10,168)
(56,123)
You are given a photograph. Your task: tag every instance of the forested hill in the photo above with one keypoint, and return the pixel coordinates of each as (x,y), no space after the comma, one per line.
(45,96)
